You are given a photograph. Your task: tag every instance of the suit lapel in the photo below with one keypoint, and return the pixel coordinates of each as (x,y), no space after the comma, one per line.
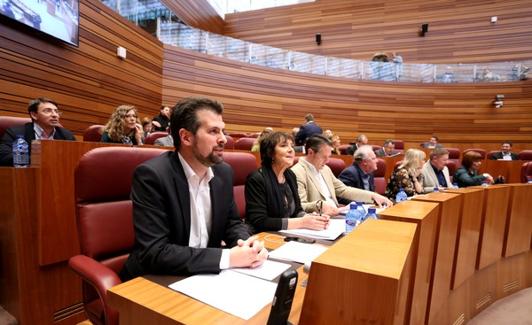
(313,179)
(216,198)
(183,194)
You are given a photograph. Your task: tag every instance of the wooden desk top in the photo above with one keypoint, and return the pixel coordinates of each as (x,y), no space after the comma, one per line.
(141,301)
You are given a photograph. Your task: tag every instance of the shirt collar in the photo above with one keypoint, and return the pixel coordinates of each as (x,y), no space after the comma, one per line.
(311,166)
(190,173)
(39,132)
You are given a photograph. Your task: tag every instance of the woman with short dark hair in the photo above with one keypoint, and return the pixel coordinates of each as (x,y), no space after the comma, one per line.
(272,200)
(467,174)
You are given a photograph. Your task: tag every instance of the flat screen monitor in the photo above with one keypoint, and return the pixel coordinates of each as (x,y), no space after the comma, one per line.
(58,18)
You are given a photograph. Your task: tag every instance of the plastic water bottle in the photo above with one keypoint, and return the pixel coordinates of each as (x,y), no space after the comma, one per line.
(361,213)
(351,218)
(21,153)
(372,214)
(436,189)
(455,185)
(401,195)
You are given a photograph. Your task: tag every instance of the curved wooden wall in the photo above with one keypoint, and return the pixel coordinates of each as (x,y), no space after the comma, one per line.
(254,97)
(197,13)
(88,82)
(459,31)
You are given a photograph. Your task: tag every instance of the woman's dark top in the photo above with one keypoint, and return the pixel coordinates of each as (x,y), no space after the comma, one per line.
(270,204)
(125,139)
(465,178)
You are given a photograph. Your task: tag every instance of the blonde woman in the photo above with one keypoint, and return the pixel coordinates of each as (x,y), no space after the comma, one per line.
(123,127)
(407,175)
(256,144)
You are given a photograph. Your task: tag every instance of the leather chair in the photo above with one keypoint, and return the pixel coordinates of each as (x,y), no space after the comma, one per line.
(336,165)
(380,181)
(243,164)
(482,152)
(230,142)
(244,143)
(526,172)
(150,139)
(343,148)
(7,122)
(399,145)
(105,224)
(525,155)
(93,133)
(454,155)
(452,166)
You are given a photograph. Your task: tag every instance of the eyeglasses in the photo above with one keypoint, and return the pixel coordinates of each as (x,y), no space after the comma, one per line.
(50,111)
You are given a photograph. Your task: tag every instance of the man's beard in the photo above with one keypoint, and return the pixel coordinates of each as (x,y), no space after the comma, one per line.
(211,159)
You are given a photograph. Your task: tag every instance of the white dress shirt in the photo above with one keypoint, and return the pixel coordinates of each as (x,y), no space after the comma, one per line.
(201,210)
(39,133)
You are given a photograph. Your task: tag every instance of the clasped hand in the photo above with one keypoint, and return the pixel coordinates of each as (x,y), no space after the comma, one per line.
(248,253)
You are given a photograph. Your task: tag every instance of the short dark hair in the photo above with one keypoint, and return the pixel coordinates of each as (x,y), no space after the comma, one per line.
(469,158)
(184,115)
(437,152)
(507,142)
(309,117)
(387,141)
(267,146)
(435,137)
(34,103)
(314,142)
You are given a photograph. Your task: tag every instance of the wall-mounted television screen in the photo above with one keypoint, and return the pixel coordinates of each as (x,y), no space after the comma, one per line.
(58,18)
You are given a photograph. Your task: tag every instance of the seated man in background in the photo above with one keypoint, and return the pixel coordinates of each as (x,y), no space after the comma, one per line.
(306,130)
(387,150)
(44,125)
(360,141)
(432,143)
(435,172)
(360,173)
(166,141)
(316,182)
(505,153)
(183,206)
(161,121)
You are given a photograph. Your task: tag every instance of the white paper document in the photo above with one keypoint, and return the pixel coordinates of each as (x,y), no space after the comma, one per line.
(298,252)
(269,270)
(335,229)
(229,291)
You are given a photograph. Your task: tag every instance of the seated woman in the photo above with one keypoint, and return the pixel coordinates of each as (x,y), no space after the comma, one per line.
(256,144)
(336,143)
(407,175)
(467,174)
(272,200)
(123,127)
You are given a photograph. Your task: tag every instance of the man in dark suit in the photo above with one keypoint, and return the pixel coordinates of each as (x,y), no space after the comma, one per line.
(307,130)
(45,125)
(360,141)
(387,150)
(360,173)
(160,122)
(505,153)
(183,204)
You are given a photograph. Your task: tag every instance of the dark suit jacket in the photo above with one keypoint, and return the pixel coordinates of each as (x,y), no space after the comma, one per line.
(352,176)
(498,155)
(262,210)
(306,130)
(6,145)
(381,153)
(161,217)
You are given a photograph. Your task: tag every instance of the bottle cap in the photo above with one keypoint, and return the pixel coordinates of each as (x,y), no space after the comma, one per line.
(372,210)
(353,205)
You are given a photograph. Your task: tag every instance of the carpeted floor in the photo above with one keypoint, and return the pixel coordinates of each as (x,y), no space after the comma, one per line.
(515,310)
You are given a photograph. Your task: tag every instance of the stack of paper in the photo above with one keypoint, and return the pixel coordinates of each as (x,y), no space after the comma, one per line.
(298,252)
(335,229)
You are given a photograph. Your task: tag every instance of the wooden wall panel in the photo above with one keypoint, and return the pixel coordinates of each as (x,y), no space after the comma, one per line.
(89,81)
(459,31)
(462,115)
(197,13)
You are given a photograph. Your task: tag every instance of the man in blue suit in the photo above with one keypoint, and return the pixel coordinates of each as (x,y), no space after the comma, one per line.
(307,130)
(360,173)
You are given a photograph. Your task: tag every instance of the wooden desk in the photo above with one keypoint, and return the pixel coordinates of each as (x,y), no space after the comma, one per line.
(511,170)
(141,301)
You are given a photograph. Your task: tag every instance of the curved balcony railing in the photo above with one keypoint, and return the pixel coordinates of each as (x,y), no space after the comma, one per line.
(158,20)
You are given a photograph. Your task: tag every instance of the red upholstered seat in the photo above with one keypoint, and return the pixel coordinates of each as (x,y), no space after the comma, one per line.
(343,148)
(336,165)
(452,166)
(244,143)
(230,142)
(525,155)
(105,223)
(482,152)
(7,122)
(380,181)
(526,172)
(454,156)
(492,153)
(150,139)
(243,164)
(93,133)
(399,144)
